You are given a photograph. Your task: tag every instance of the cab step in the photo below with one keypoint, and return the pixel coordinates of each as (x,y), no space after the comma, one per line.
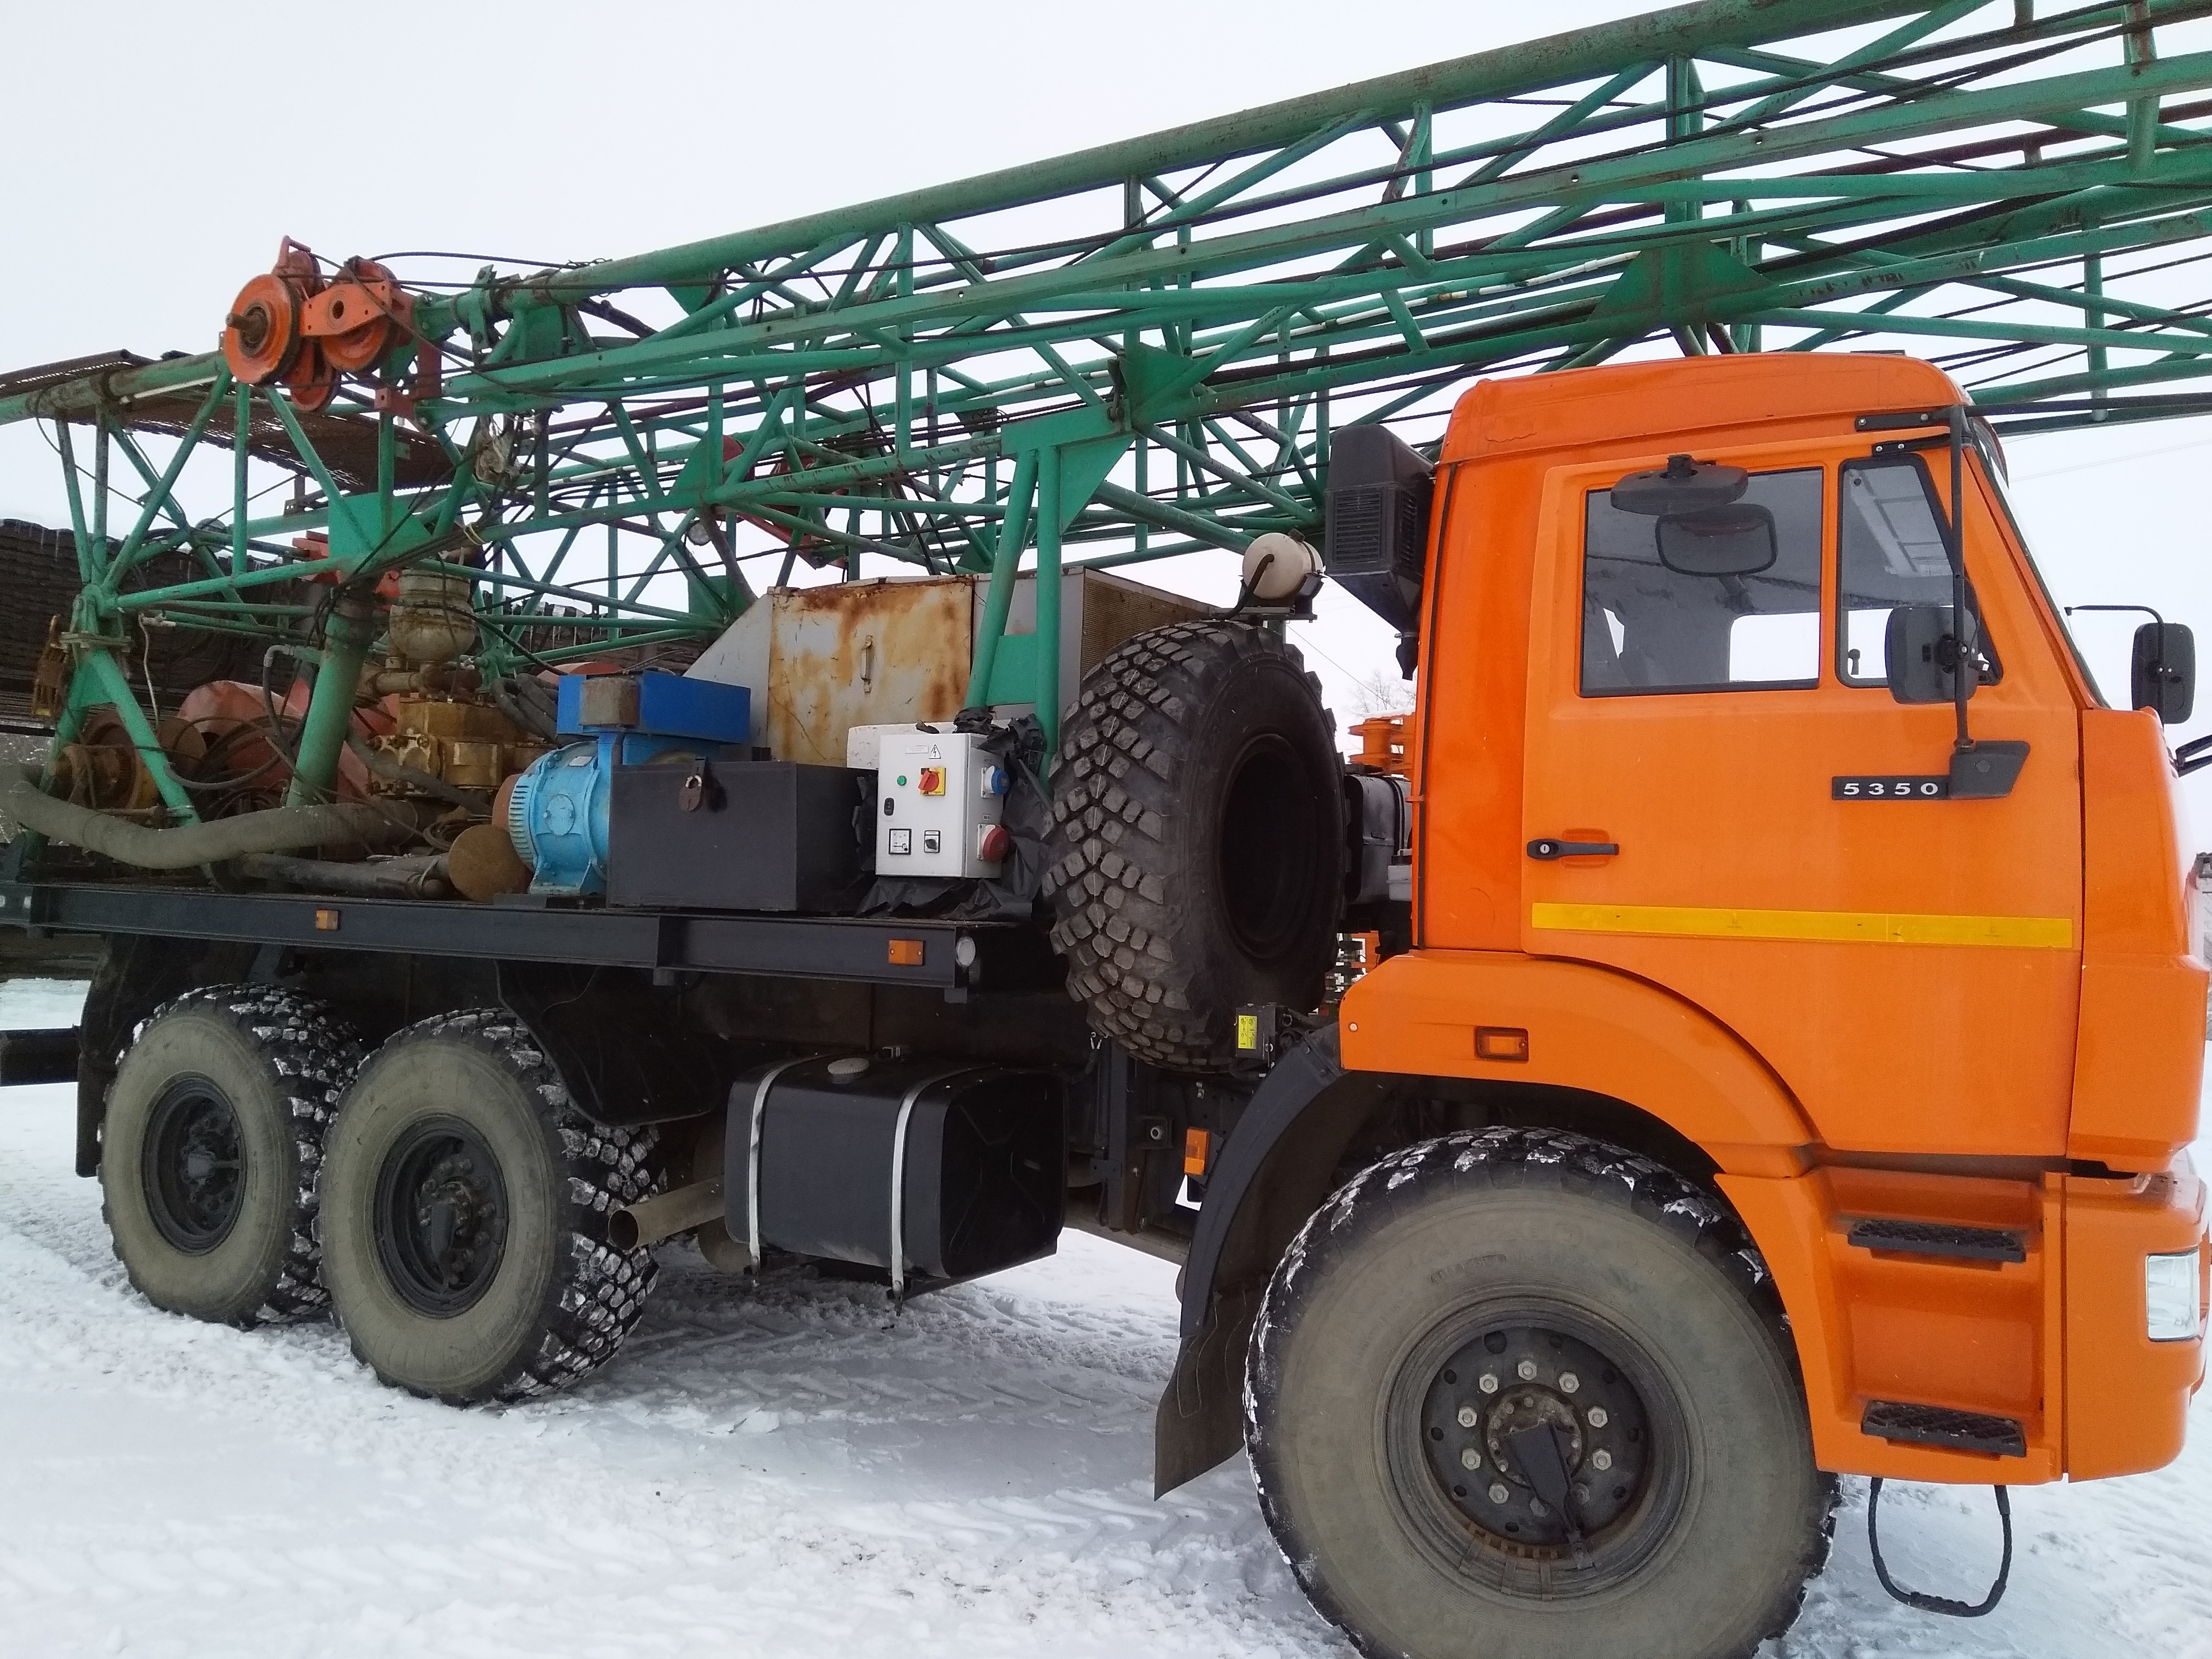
(1940,1238)
(1940,1425)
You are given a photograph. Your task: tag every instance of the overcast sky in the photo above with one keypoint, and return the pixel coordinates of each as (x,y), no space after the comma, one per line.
(157,152)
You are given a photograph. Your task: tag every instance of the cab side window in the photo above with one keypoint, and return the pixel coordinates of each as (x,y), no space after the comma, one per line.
(1890,542)
(1649,626)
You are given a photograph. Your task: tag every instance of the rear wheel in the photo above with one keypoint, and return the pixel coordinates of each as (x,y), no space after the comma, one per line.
(1521,1394)
(211,1148)
(464,1216)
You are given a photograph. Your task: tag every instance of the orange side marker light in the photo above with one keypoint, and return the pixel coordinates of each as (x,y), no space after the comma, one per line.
(1508,1042)
(906,952)
(1197,1147)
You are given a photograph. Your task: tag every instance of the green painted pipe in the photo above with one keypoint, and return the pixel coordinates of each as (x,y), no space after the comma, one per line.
(1047,597)
(347,635)
(1005,566)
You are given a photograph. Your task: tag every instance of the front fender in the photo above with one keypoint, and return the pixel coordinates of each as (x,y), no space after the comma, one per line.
(1588,1028)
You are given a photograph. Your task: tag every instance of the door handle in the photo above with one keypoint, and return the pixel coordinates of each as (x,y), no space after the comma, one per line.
(1547,849)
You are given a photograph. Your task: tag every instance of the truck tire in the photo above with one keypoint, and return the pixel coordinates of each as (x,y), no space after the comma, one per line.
(1533,1283)
(465,1213)
(211,1148)
(1196,854)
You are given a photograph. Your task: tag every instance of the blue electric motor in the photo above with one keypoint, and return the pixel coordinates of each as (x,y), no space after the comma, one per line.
(558,814)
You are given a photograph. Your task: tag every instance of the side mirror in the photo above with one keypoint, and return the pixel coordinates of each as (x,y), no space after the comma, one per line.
(2163,675)
(1736,540)
(1922,655)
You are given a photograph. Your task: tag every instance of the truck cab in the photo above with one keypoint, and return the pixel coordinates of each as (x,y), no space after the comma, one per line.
(1679,844)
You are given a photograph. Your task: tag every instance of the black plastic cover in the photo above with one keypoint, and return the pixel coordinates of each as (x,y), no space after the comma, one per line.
(1378,522)
(1378,823)
(983,1182)
(735,836)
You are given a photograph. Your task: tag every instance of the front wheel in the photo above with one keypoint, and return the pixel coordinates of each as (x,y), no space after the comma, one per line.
(1520,1395)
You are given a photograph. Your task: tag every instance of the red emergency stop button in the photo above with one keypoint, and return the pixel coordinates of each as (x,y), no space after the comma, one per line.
(933,780)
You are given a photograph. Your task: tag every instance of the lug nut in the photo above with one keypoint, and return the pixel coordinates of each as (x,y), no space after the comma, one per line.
(1568,1382)
(1600,1459)
(1470,1459)
(1525,1371)
(1488,1383)
(1499,1491)
(1537,1508)
(1597,1417)
(1582,1494)
(1467,1419)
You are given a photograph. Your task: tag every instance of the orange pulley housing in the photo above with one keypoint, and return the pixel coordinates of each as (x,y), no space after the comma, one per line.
(262,337)
(289,326)
(360,317)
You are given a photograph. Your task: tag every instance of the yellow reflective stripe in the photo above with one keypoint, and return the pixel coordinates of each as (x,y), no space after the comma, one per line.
(1839,927)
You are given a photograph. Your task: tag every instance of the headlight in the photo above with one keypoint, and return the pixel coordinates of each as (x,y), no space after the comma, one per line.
(2170,1295)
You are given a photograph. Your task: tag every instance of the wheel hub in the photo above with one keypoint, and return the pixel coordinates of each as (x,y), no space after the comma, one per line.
(441,1216)
(193,1167)
(1530,1407)
(1512,1379)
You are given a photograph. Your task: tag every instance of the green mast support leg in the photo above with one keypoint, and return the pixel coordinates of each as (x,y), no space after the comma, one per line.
(1005,566)
(346,639)
(1047,597)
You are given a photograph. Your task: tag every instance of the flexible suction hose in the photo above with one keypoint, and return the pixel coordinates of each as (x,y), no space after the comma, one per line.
(277,831)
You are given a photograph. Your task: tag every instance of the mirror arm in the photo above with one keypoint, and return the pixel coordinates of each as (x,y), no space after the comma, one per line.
(2158,665)
(2145,609)
(1979,771)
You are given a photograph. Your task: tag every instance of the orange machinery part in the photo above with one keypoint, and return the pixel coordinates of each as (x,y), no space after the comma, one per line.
(288,326)
(1382,743)
(220,705)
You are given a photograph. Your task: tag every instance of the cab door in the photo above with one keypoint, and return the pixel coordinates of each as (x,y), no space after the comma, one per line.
(1721,797)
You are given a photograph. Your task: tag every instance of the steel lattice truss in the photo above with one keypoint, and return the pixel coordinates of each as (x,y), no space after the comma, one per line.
(1141,349)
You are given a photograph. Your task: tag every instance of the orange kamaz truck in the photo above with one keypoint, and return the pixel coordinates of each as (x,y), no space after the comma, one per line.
(1744,1028)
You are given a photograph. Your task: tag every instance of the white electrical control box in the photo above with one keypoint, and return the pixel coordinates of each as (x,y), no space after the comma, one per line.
(939,797)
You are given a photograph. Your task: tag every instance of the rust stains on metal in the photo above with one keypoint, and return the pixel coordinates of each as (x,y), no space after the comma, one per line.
(863,653)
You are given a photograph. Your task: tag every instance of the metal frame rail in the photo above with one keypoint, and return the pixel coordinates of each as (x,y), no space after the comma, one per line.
(953,958)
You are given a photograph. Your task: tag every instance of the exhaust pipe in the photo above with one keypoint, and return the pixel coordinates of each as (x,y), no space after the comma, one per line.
(652,1220)
(420,876)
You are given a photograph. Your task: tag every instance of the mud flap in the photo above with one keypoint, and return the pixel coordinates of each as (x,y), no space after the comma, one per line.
(1200,1420)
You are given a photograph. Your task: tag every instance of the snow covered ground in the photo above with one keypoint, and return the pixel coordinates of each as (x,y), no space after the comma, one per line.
(785,1471)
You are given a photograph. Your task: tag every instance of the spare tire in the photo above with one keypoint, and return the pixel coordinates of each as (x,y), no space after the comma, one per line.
(1196,856)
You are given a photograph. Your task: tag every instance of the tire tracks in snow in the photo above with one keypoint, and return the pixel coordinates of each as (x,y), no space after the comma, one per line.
(773,1472)
(789,1470)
